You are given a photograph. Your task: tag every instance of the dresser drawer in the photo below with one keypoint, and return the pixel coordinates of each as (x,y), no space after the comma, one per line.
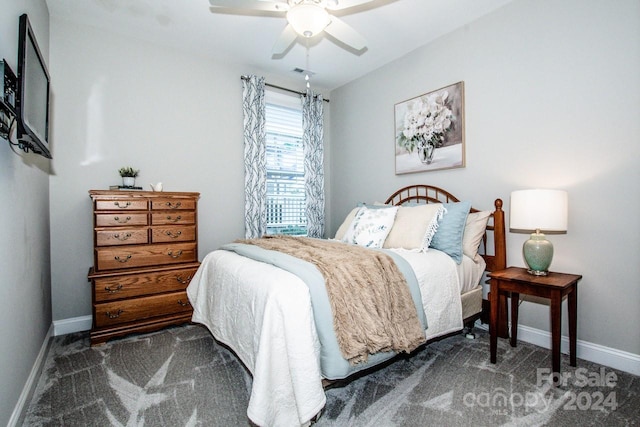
(130,310)
(134,236)
(120,219)
(173,204)
(167,218)
(125,204)
(141,284)
(120,257)
(173,234)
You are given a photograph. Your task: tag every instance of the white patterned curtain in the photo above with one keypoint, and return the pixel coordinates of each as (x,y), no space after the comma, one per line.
(255,163)
(312,142)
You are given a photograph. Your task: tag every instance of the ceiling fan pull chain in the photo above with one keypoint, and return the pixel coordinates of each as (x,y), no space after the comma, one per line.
(307,77)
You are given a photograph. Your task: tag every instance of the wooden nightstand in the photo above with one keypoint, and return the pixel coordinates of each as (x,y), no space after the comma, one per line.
(555,286)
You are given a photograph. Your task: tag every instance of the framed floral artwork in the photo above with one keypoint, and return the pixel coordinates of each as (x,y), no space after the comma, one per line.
(429,131)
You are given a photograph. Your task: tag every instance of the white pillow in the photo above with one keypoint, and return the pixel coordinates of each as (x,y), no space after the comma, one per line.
(351,215)
(346,223)
(370,227)
(473,232)
(414,227)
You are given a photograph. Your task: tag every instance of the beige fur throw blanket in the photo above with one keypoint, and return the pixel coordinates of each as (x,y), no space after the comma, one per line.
(372,306)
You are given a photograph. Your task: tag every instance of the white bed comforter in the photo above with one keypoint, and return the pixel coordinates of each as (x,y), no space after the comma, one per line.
(264,314)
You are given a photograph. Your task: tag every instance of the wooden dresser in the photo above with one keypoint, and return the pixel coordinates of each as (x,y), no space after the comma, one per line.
(145,253)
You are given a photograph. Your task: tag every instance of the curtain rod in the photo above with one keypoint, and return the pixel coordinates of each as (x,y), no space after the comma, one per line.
(282,88)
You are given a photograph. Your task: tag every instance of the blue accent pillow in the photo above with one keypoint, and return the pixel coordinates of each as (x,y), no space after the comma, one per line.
(448,238)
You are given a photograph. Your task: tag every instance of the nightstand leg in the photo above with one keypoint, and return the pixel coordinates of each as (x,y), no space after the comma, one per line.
(556,325)
(572,301)
(515,303)
(503,324)
(493,319)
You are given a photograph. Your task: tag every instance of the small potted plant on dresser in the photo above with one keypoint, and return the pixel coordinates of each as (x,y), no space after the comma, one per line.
(128,175)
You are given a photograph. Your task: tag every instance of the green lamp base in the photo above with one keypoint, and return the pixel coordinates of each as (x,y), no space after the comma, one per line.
(538,253)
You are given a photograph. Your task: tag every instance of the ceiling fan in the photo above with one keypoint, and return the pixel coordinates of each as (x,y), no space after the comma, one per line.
(306,18)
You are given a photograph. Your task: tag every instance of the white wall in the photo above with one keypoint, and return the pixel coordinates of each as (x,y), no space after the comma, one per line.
(552,99)
(175,116)
(25,291)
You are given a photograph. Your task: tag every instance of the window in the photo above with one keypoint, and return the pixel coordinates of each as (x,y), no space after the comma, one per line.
(286,203)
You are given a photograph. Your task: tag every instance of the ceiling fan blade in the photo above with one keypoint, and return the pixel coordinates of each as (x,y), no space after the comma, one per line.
(265,5)
(345,4)
(345,33)
(286,39)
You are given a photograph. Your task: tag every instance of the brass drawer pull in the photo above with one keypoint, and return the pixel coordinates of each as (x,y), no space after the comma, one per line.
(114,315)
(176,219)
(183,281)
(114,290)
(122,221)
(182,303)
(125,206)
(176,255)
(122,260)
(173,205)
(123,237)
(172,235)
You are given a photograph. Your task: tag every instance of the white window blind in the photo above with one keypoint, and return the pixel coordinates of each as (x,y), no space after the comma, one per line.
(285,170)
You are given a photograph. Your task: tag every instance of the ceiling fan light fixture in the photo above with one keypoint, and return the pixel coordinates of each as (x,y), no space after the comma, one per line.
(308,19)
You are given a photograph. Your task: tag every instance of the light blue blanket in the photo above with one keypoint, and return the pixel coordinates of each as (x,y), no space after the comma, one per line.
(332,364)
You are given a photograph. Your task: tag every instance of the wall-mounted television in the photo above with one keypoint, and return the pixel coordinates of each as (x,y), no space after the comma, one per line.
(32,103)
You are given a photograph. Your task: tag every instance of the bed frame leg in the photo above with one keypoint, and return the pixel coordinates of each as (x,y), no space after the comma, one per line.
(468,331)
(315,418)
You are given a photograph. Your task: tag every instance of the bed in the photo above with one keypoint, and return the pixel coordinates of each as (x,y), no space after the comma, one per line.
(264,304)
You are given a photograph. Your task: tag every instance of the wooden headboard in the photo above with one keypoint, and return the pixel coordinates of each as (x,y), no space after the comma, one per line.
(493,247)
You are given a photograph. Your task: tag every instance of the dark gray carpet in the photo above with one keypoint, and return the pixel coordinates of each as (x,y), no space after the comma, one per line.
(181,377)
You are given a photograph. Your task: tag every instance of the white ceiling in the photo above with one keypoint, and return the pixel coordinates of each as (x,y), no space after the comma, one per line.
(392,28)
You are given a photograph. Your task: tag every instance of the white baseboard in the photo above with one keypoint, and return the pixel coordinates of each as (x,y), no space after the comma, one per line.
(31,380)
(74,324)
(617,359)
(58,327)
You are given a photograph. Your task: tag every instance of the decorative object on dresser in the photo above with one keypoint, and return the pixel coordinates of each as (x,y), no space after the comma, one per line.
(128,175)
(145,254)
(538,210)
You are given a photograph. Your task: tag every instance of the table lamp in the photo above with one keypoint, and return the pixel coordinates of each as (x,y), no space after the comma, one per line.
(538,210)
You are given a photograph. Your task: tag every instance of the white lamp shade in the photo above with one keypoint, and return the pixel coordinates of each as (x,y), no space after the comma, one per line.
(308,19)
(545,210)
